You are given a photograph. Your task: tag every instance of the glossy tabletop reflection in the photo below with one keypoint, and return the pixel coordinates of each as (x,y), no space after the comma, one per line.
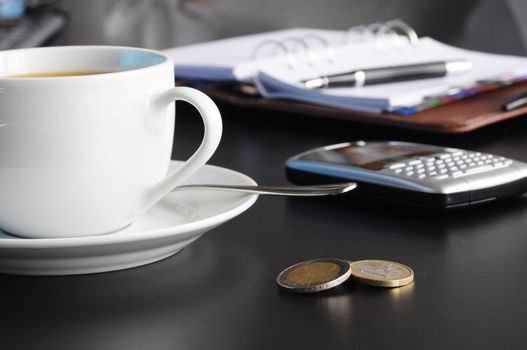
(220,291)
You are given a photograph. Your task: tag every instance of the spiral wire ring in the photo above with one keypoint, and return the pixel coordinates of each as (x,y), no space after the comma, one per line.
(273,43)
(377,32)
(407,30)
(298,42)
(361,30)
(330,53)
(381,31)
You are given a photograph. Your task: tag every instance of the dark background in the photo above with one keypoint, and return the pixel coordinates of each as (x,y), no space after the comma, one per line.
(487,25)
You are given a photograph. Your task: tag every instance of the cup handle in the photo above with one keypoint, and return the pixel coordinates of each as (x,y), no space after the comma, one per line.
(212,134)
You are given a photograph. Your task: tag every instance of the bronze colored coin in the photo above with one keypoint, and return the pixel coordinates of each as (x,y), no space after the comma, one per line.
(381,273)
(314,275)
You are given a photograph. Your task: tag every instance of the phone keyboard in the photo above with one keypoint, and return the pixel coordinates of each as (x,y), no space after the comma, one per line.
(446,165)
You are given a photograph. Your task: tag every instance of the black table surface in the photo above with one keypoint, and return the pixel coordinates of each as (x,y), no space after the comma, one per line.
(220,292)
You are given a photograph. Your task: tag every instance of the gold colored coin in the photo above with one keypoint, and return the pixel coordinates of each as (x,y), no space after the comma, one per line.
(381,273)
(314,275)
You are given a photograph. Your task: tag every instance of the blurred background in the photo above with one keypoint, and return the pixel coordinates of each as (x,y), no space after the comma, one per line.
(485,25)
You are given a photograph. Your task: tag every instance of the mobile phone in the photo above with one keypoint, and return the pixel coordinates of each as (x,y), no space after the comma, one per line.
(411,173)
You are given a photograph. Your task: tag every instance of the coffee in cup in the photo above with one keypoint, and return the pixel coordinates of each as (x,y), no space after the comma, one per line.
(56,74)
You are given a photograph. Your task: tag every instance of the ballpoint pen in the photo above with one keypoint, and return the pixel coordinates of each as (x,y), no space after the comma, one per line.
(515,103)
(384,75)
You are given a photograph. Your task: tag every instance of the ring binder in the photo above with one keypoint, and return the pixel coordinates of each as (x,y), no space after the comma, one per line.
(258,61)
(312,44)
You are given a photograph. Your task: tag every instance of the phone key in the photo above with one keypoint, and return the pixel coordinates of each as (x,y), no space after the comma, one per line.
(397,166)
(443,171)
(445,156)
(422,176)
(457,153)
(478,169)
(414,162)
(440,177)
(432,173)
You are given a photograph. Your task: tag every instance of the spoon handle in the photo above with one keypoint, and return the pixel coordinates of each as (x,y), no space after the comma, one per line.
(313,190)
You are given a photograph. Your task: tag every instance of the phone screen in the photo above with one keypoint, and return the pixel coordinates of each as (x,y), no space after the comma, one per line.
(371,156)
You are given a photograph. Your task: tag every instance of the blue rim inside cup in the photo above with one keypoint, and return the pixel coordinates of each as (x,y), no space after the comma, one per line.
(105,59)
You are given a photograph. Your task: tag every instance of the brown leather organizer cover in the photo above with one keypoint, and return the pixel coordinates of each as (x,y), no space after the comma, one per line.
(457,117)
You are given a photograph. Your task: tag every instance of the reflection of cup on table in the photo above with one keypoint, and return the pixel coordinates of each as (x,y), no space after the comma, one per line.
(86,150)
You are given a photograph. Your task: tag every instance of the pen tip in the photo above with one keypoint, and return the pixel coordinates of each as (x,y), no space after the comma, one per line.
(314,83)
(458,66)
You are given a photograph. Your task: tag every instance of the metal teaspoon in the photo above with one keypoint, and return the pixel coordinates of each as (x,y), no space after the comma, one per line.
(312,190)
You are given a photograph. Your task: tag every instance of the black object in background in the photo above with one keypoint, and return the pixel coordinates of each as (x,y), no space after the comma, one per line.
(36,28)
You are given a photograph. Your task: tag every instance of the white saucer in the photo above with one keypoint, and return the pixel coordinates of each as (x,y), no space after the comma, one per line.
(174,222)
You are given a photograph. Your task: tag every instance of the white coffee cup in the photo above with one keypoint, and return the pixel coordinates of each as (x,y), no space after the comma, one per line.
(86,154)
